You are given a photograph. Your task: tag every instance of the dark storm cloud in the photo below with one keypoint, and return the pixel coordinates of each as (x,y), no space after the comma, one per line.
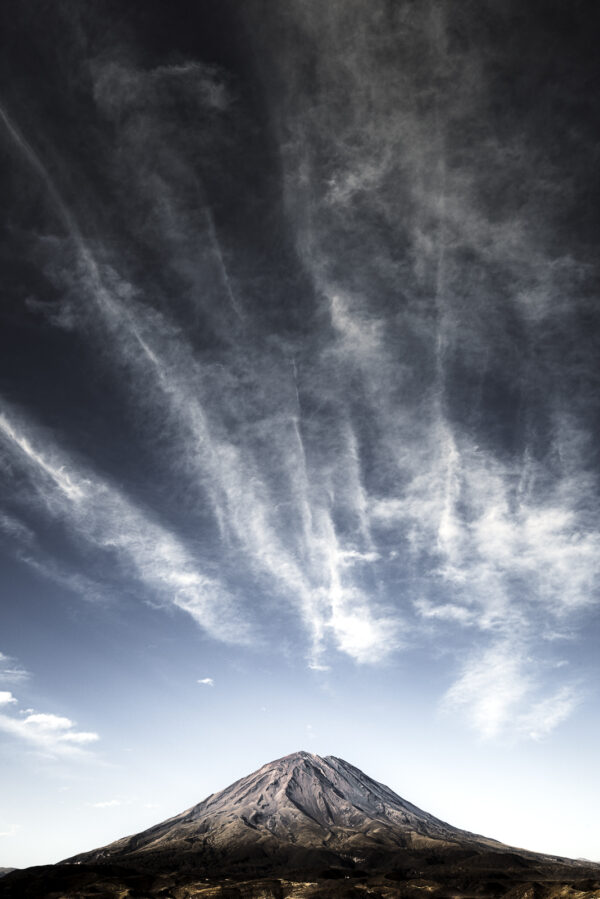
(329,302)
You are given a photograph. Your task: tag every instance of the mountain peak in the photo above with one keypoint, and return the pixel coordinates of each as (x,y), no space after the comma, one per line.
(296,757)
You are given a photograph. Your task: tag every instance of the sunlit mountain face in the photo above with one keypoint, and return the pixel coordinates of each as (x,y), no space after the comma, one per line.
(298,404)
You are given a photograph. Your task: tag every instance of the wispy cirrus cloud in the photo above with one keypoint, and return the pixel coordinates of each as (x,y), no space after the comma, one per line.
(500,692)
(478,485)
(291,548)
(548,712)
(102,517)
(106,803)
(396,450)
(11,671)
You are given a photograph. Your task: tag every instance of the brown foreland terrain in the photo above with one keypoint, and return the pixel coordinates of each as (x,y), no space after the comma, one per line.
(307,826)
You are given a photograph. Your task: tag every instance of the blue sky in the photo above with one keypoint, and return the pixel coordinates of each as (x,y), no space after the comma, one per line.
(298,397)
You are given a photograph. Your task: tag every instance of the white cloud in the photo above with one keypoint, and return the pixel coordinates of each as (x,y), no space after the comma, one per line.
(11,670)
(108,803)
(15,529)
(49,733)
(6,697)
(55,472)
(499,692)
(360,337)
(231,472)
(490,689)
(548,713)
(298,504)
(98,512)
(315,665)
(444,611)
(362,636)
(103,517)
(207,681)
(497,542)
(353,556)
(510,562)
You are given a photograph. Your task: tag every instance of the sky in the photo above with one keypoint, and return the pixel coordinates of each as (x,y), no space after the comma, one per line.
(298,409)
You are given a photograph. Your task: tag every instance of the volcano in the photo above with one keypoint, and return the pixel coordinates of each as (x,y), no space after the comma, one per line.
(299,812)
(304,825)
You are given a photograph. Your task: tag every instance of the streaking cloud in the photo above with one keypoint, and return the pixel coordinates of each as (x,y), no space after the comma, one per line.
(97,513)
(350,394)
